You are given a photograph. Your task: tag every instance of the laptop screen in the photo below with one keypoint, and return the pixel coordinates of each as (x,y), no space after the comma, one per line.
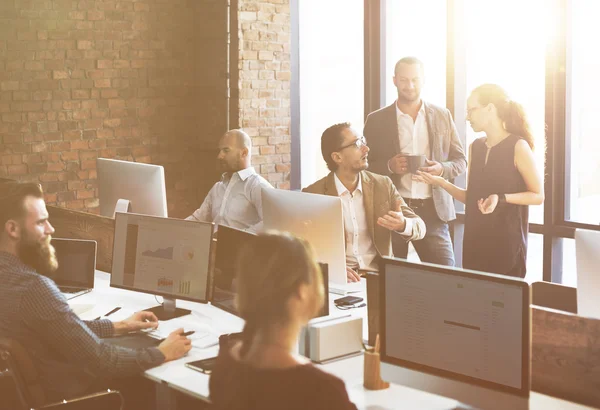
(229,242)
(76,262)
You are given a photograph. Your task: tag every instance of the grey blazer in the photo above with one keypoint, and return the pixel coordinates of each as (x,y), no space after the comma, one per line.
(381,132)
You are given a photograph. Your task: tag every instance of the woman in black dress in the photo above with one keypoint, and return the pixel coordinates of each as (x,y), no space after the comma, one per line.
(503,181)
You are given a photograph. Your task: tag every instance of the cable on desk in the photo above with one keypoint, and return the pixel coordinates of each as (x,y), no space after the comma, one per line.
(157,301)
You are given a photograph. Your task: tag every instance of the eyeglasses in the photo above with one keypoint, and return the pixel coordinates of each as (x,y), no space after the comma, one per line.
(356,143)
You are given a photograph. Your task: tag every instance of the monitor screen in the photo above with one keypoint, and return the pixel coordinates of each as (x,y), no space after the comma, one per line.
(76,262)
(143,185)
(456,324)
(162,256)
(316,218)
(229,242)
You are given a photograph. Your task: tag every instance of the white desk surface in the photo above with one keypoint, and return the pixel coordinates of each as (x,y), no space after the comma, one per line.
(104,298)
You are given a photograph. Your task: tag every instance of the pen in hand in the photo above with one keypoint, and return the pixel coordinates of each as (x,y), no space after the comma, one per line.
(109,313)
(189,333)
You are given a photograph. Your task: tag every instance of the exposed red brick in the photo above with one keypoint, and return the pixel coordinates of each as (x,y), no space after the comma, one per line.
(17,170)
(70,156)
(88,77)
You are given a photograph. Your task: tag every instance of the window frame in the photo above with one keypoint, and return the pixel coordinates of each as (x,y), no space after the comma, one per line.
(557,168)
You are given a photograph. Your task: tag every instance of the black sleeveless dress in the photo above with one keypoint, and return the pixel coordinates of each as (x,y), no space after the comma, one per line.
(495,242)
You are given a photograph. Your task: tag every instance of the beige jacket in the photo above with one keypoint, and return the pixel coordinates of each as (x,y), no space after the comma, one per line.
(380,196)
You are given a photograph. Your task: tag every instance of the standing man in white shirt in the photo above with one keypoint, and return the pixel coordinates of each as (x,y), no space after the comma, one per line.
(371,205)
(235,200)
(411,126)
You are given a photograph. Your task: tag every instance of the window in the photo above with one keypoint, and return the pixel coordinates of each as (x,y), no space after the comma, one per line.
(506,45)
(331,75)
(583,162)
(418,29)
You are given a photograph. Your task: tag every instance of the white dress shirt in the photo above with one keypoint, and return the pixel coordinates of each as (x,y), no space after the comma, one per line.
(414,139)
(360,248)
(234,201)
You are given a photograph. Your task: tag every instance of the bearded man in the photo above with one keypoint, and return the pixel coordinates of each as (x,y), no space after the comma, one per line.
(69,354)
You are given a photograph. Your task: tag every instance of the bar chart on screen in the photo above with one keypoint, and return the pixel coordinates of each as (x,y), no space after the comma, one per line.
(184,287)
(163,253)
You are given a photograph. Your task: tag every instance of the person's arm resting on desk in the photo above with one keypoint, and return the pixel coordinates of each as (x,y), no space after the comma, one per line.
(60,328)
(57,325)
(137,321)
(101,327)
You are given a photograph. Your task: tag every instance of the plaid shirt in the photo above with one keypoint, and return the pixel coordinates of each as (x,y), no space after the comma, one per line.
(68,353)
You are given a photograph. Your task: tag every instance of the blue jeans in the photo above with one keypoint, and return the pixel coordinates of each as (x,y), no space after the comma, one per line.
(436,246)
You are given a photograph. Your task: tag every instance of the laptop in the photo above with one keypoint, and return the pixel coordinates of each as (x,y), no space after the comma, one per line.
(229,242)
(76,266)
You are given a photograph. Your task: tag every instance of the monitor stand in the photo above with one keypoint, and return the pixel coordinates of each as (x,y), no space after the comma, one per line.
(123,206)
(168,310)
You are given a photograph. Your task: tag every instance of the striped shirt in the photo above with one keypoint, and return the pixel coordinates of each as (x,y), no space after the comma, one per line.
(68,353)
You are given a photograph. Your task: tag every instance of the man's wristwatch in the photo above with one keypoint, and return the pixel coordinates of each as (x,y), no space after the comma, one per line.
(501,198)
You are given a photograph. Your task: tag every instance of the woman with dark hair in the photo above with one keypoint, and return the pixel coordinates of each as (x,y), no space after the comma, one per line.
(502,182)
(279,290)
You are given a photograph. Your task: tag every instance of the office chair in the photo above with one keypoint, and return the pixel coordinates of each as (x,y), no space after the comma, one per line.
(554,296)
(17,367)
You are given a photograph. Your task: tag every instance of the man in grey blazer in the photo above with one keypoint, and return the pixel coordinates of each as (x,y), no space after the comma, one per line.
(412,126)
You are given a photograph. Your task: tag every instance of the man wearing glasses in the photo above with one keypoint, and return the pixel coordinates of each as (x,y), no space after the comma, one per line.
(372,207)
(417,132)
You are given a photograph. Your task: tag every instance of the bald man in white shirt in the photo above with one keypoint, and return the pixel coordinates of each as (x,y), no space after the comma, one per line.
(235,200)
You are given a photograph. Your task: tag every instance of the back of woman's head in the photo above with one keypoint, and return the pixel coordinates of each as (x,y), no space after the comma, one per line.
(270,270)
(510,112)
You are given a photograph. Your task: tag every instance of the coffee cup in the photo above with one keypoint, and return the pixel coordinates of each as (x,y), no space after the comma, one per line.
(415,162)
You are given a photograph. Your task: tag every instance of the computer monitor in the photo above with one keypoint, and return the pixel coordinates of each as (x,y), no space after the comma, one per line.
(162,256)
(316,218)
(134,186)
(457,333)
(229,242)
(587,250)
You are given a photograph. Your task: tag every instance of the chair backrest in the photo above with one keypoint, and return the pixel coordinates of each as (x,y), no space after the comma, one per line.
(565,356)
(19,367)
(554,296)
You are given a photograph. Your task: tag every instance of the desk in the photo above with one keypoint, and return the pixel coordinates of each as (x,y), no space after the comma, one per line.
(195,384)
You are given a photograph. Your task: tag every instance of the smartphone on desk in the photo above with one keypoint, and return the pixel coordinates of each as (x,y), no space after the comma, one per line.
(204,366)
(347,301)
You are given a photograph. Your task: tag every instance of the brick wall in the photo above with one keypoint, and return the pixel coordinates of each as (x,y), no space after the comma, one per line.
(136,80)
(144,81)
(264,85)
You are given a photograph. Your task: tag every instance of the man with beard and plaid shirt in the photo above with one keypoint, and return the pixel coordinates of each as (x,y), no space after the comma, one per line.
(69,354)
